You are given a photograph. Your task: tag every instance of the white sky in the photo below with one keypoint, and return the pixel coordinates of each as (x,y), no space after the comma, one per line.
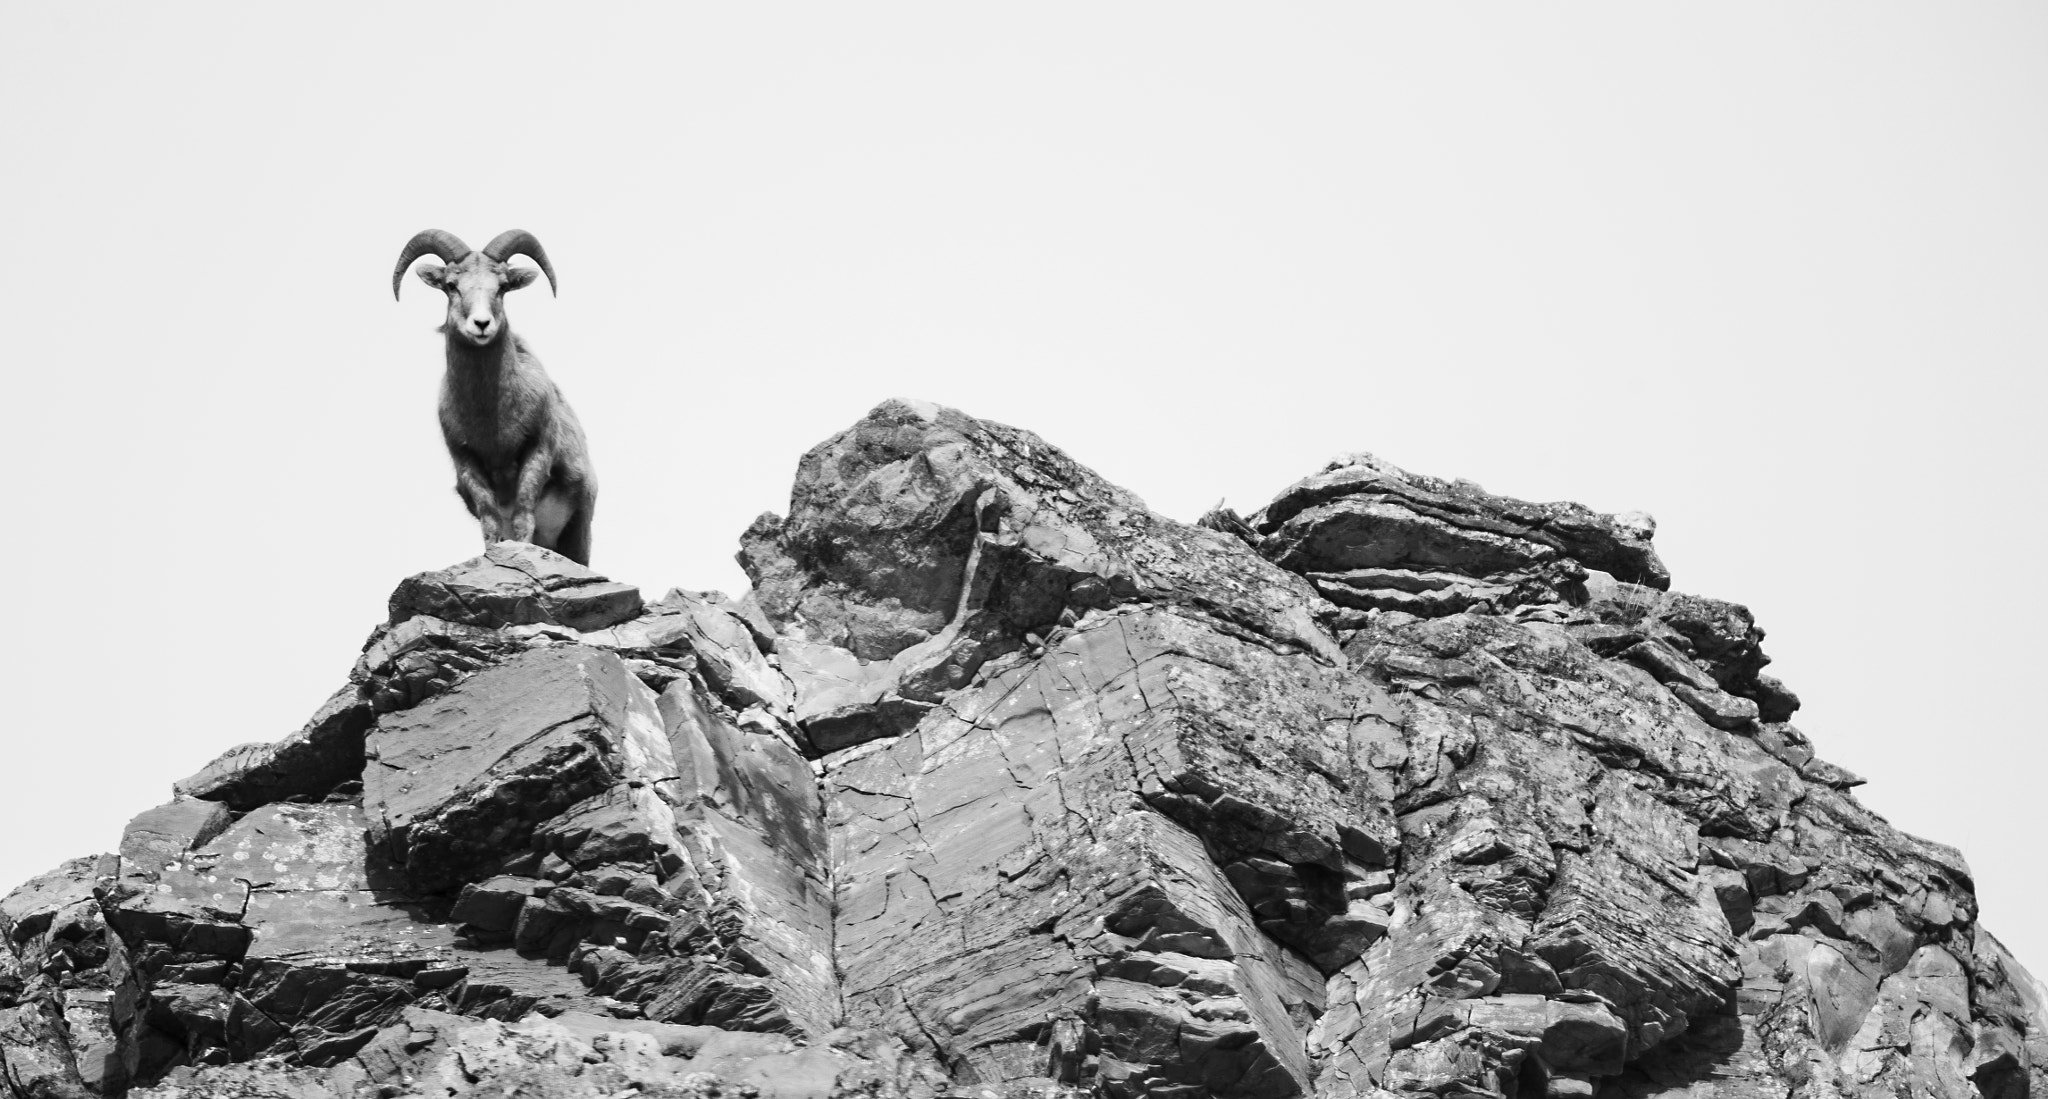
(1774,273)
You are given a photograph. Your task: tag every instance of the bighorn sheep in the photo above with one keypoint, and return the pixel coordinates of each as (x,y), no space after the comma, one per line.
(521,465)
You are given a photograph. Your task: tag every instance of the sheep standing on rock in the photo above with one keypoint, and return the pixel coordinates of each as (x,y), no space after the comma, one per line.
(521,464)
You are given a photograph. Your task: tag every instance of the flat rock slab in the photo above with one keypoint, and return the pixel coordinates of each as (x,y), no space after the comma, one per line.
(317,895)
(291,883)
(456,784)
(516,584)
(160,837)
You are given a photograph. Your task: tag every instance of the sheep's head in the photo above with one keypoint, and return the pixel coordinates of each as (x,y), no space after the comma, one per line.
(475,281)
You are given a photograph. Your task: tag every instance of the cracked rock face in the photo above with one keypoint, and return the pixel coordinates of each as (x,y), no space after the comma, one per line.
(998,785)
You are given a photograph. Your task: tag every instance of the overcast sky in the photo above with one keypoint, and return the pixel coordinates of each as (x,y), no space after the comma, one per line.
(1777,274)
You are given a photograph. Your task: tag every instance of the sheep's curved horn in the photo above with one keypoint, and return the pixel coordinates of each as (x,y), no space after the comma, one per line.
(438,242)
(519,242)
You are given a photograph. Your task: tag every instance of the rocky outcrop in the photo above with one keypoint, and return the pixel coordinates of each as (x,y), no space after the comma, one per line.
(997,784)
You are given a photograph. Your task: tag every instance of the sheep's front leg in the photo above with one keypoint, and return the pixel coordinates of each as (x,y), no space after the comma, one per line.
(533,477)
(474,486)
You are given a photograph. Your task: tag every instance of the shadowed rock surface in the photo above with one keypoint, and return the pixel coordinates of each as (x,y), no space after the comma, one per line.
(997,784)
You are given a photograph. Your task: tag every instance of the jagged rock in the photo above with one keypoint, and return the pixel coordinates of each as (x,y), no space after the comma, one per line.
(729,651)
(1028,829)
(67,982)
(1828,774)
(493,905)
(324,754)
(1423,592)
(2010,1056)
(286,896)
(52,921)
(1711,651)
(406,664)
(842,700)
(703,633)
(455,783)
(36,1059)
(513,584)
(760,851)
(1693,687)
(932,542)
(573,1056)
(1363,513)
(998,785)
(157,839)
(286,935)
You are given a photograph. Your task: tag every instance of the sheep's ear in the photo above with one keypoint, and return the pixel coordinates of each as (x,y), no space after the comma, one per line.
(519,277)
(431,275)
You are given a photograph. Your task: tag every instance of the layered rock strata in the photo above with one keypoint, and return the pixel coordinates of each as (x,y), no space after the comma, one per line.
(997,784)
